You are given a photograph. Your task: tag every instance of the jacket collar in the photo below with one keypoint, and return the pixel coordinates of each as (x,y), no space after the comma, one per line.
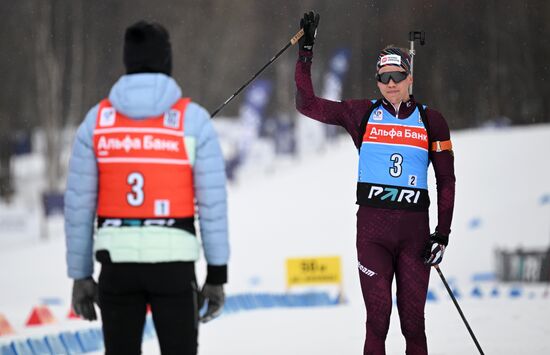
(403,111)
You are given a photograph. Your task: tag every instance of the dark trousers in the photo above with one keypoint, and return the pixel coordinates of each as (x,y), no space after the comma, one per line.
(125,290)
(392,243)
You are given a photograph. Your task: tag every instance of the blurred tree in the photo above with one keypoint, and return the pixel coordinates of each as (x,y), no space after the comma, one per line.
(73,80)
(16,90)
(6,184)
(49,60)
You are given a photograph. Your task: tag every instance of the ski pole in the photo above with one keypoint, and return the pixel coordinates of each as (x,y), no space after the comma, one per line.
(292,42)
(413,36)
(458,308)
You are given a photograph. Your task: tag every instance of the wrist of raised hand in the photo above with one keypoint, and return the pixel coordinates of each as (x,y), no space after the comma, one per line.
(305,56)
(306,47)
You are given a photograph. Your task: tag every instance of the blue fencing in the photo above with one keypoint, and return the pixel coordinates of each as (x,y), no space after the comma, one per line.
(250,301)
(7,350)
(39,346)
(55,345)
(65,343)
(91,340)
(71,343)
(477,292)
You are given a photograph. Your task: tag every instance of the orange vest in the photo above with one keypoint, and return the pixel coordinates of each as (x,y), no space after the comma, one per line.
(144,170)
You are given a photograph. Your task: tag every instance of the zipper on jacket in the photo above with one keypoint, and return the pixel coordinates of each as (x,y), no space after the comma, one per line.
(397,109)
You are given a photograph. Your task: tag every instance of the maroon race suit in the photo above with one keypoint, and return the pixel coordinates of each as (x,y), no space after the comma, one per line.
(389,241)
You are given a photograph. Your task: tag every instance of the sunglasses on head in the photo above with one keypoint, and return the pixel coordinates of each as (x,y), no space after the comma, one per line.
(396,76)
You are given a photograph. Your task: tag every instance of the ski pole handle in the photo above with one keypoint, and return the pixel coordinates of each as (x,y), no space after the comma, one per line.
(297,37)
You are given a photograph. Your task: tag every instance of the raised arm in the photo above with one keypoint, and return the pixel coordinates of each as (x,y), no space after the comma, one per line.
(307,103)
(347,114)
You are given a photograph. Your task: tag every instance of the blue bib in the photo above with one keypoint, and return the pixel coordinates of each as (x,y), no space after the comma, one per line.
(393,162)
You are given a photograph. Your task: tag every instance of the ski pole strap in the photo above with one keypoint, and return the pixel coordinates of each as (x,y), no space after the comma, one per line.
(439,146)
(297,37)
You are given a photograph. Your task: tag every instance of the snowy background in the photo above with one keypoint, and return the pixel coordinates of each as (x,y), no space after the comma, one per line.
(304,207)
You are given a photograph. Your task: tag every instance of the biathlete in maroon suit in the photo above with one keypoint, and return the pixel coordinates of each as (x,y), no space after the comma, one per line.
(396,138)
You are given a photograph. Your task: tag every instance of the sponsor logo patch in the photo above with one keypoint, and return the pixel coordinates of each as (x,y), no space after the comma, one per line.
(378,115)
(129,143)
(390,59)
(394,194)
(107,117)
(366,270)
(396,134)
(172,119)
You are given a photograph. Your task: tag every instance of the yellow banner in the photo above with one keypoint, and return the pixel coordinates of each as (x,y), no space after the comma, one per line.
(313,271)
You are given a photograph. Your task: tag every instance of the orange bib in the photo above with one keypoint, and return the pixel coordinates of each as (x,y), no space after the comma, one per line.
(144,170)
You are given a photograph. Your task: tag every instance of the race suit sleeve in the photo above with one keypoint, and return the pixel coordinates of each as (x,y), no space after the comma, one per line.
(347,113)
(443,164)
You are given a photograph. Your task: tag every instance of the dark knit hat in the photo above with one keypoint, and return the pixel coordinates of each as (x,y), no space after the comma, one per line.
(394,56)
(147,49)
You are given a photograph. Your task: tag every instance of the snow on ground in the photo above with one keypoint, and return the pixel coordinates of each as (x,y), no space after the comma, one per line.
(306,208)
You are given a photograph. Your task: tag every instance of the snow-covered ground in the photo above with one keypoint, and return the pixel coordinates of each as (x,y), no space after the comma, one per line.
(305,208)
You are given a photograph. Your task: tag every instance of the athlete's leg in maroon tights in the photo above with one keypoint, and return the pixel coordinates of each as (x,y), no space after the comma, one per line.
(392,243)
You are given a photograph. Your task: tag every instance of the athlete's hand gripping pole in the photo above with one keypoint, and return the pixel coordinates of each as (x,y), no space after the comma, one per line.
(292,42)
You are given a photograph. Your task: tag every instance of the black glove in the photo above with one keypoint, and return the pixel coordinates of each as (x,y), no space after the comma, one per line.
(435,248)
(84,297)
(309,23)
(216,298)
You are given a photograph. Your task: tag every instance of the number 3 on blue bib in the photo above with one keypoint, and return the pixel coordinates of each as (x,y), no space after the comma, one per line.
(397,168)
